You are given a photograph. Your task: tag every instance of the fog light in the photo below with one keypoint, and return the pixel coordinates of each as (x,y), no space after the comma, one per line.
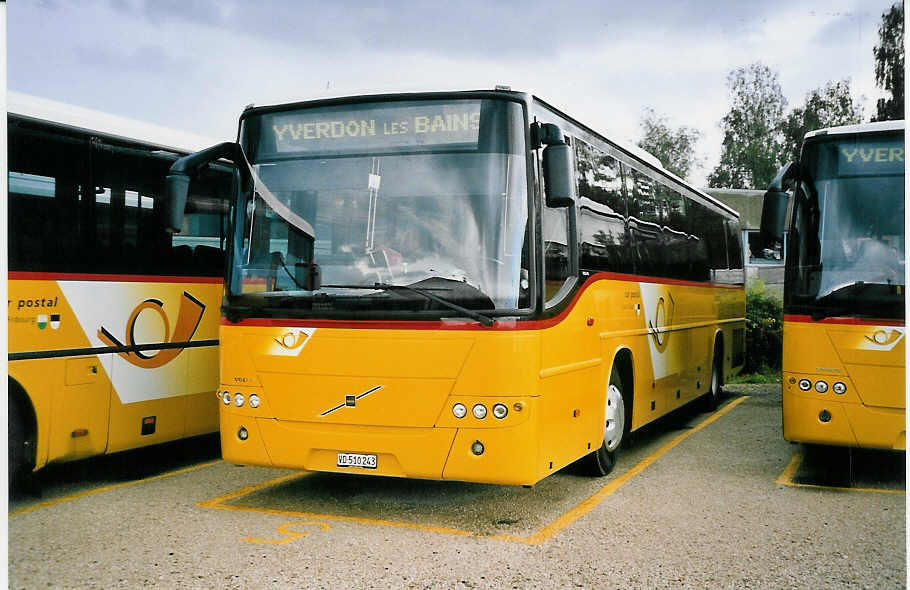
(500,411)
(821,387)
(238,399)
(242,434)
(839,388)
(824,416)
(254,401)
(480,412)
(226,397)
(459,410)
(805,384)
(477,448)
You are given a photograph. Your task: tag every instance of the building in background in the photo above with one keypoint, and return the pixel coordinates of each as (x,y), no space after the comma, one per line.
(761,264)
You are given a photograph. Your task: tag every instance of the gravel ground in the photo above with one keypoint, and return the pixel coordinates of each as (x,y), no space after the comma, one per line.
(707,513)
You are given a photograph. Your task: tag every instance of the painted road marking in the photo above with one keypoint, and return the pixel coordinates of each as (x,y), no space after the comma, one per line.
(538,538)
(786,479)
(117,486)
(289,534)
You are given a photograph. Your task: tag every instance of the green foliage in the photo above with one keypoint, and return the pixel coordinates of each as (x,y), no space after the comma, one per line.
(675,148)
(759,137)
(765,375)
(828,106)
(752,149)
(889,64)
(764,330)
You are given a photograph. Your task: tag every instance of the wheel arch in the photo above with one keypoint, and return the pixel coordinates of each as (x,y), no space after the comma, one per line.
(719,341)
(623,362)
(18,395)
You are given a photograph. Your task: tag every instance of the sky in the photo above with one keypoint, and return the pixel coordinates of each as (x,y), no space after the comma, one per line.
(193,65)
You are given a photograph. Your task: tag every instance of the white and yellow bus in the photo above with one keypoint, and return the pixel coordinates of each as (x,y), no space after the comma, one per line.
(843,370)
(113,322)
(461,286)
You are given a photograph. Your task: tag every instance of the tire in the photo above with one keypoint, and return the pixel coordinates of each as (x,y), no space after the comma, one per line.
(712,398)
(17,458)
(617,419)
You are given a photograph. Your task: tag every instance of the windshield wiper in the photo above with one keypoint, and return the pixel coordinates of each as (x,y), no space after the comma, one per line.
(483,319)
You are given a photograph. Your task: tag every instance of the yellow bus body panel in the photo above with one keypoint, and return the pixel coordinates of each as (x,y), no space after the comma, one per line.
(868,359)
(389,390)
(89,404)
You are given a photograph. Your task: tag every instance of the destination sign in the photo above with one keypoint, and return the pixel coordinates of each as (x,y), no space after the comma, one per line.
(334,129)
(871,157)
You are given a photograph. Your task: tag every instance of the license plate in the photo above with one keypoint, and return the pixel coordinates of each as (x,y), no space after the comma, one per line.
(357,460)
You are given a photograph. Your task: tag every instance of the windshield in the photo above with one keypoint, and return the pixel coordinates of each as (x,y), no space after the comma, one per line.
(365,198)
(848,230)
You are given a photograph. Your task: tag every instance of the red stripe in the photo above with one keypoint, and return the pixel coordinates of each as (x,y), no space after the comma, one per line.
(67,276)
(464,324)
(805,319)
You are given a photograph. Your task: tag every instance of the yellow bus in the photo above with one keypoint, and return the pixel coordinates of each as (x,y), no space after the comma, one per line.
(461,286)
(843,372)
(113,322)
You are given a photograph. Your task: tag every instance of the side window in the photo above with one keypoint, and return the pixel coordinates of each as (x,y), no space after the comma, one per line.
(675,233)
(645,225)
(49,203)
(132,186)
(604,243)
(757,252)
(701,247)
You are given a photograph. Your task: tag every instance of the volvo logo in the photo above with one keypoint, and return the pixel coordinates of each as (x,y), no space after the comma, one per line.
(350,401)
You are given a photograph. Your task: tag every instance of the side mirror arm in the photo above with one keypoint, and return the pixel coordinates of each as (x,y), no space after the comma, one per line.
(177,183)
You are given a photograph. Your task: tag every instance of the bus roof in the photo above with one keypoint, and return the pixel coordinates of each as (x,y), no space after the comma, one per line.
(83,119)
(860,128)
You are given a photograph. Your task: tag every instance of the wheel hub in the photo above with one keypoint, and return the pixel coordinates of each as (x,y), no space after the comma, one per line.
(615,418)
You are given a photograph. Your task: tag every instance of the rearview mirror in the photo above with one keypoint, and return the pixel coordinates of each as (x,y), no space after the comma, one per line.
(774,207)
(177,182)
(559,182)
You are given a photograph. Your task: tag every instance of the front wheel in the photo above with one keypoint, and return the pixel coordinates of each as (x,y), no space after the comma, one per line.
(712,398)
(616,427)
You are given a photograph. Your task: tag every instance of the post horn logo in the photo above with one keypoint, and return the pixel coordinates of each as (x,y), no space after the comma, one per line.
(663,317)
(188,318)
(884,339)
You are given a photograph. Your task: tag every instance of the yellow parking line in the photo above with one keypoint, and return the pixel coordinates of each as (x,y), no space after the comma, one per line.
(94,491)
(588,505)
(786,479)
(538,538)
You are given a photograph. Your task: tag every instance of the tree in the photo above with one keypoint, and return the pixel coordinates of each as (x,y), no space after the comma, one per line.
(675,148)
(752,147)
(889,64)
(827,106)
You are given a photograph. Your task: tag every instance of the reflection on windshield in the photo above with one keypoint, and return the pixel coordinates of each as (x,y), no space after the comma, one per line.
(397,220)
(849,225)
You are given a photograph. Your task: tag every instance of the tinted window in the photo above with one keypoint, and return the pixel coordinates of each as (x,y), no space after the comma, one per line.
(81,205)
(605,244)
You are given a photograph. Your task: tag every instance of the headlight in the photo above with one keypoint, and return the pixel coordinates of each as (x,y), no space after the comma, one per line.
(254,401)
(839,388)
(226,397)
(821,386)
(480,411)
(500,411)
(459,411)
(238,399)
(805,384)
